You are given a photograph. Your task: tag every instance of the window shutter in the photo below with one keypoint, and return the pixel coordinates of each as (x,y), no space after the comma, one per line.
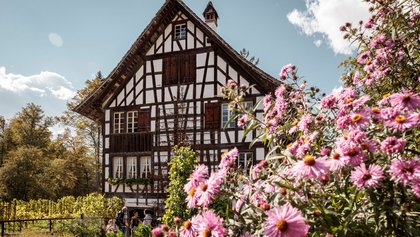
(170,74)
(144,121)
(212,116)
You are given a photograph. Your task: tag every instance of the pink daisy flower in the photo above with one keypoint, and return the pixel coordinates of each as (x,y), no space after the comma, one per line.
(405,171)
(310,167)
(208,224)
(393,145)
(191,198)
(187,229)
(363,58)
(197,176)
(336,161)
(400,122)
(157,232)
(352,154)
(362,177)
(285,221)
(416,190)
(406,100)
(359,120)
(304,122)
(285,69)
(328,102)
(229,158)
(243,120)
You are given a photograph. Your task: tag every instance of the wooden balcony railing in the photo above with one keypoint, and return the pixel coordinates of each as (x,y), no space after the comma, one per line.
(131,142)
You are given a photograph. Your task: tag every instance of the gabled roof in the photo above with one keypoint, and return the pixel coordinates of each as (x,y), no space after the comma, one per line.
(91,107)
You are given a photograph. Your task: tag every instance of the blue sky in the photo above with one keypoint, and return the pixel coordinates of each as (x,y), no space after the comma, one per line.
(48,49)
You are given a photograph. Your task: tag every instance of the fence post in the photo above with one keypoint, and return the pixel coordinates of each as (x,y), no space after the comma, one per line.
(2,228)
(50,225)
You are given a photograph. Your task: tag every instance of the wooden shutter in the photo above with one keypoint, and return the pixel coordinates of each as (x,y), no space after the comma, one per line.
(187,68)
(212,116)
(170,74)
(144,121)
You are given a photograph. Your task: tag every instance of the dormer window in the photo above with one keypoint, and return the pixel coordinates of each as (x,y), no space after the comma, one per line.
(180,32)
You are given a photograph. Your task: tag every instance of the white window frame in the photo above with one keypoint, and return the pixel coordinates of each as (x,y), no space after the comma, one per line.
(245,159)
(145,166)
(131,167)
(119,122)
(180,31)
(226,115)
(118,166)
(132,121)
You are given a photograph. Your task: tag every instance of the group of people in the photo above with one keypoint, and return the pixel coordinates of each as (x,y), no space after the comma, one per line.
(127,224)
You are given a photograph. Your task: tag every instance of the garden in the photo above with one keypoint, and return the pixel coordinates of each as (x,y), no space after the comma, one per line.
(343,164)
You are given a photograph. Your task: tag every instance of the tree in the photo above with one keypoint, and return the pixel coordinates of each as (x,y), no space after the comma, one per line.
(88,131)
(2,139)
(29,128)
(23,174)
(181,165)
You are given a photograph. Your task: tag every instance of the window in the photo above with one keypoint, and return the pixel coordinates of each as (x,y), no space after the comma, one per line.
(180,32)
(179,69)
(245,160)
(226,115)
(118,122)
(131,167)
(212,115)
(248,105)
(145,166)
(118,167)
(132,121)
(212,158)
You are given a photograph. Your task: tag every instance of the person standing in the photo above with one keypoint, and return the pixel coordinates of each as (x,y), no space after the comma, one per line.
(147,218)
(123,222)
(135,221)
(126,221)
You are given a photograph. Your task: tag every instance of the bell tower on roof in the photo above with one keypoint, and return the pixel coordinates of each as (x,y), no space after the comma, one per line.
(211,16)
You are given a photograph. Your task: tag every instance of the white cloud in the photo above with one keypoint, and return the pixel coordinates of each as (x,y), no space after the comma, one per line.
(318,43)
(43,84)
(55,39)
(324,17)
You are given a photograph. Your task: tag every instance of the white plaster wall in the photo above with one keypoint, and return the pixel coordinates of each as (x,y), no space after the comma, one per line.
(107,115)
(106,143)
(200,75)
(139,73)
(158,43)
(209,91)
(106,161)
(233,74)
(129,98)
(120,97)
(107,129)
(221,63)
(149,96)
(149,82)
(210,74)
(260,154)
(200,36)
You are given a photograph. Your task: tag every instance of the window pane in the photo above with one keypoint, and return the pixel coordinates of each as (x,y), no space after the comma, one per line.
(118,167)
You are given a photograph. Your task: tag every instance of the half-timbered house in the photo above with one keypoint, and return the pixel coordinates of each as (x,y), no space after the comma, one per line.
(166,89)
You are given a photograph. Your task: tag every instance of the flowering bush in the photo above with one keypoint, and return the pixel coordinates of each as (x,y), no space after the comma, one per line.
(345,164)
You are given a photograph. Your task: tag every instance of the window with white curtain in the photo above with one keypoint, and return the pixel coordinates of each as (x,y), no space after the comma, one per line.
(131,167)
(118,167)
(145,166)
(132,121)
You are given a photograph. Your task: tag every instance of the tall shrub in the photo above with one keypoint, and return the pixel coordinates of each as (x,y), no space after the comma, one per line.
(182,163)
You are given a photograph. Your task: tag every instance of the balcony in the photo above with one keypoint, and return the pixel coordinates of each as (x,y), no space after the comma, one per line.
(131,142)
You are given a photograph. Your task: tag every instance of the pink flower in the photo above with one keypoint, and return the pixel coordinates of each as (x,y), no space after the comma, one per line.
(363,57)
(336,162)
(242,120)
(352,154)
(187,229)
(267,102)
(191,198)
(157,232)
(171,234)
(362,177)
(229,158)
(304,122)
(359,120)
(196,177)
(310,167)
(231,84)
(208,224)
(405,171)
(416,190)
(393,145)
(285,221)
(328,102)
(285,69)
(205,193)
(400,122)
